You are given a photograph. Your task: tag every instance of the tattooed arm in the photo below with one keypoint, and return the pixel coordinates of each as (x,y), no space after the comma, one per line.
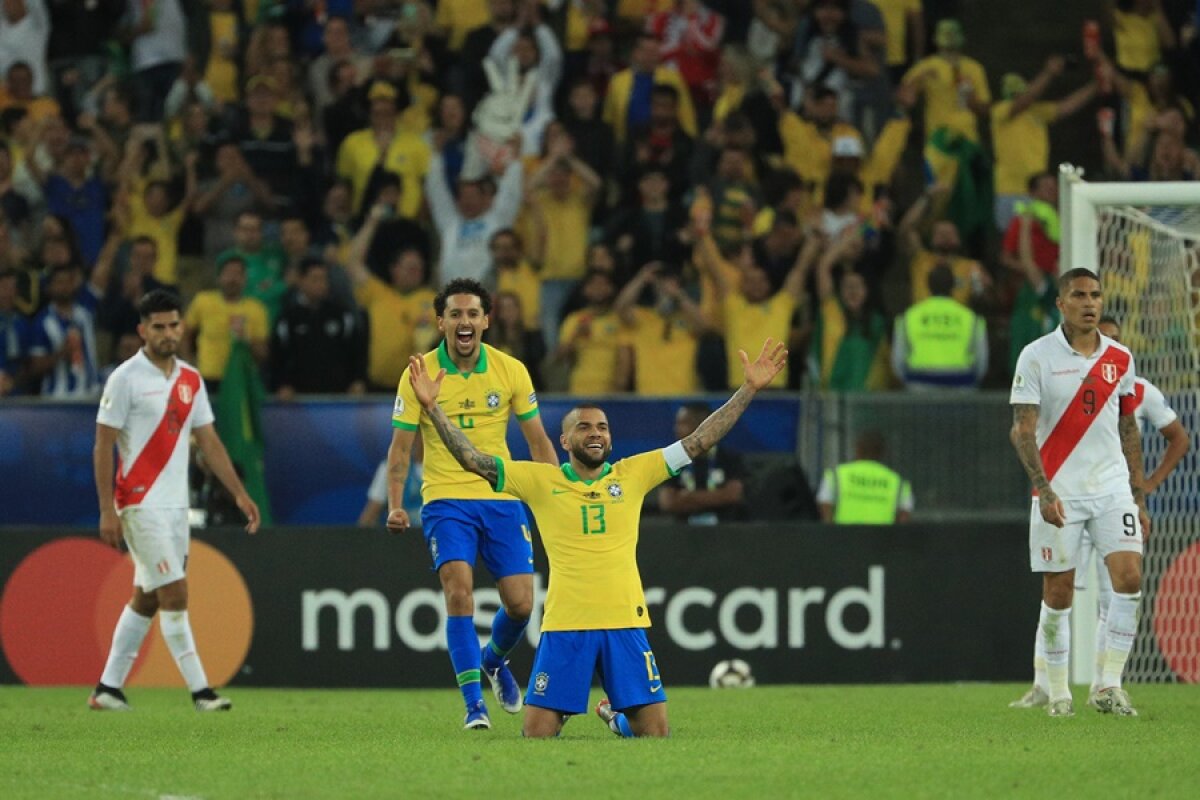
(461,448)
(760,373)
(426,389)
(1024,439)
(1131,447)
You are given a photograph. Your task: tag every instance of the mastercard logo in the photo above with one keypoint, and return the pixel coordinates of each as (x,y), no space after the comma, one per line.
(61,603)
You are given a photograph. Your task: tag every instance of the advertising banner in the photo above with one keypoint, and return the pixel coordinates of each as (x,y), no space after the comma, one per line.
(361,608)
(319,455)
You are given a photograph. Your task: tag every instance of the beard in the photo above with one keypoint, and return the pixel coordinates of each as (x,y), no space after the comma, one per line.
(585,457)
(164,349)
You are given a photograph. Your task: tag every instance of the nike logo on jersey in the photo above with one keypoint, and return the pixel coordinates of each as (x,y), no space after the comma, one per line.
(559,491)
(655,688)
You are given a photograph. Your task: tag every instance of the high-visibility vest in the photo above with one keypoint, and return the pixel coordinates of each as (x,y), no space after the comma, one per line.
(941,336)
(866,493)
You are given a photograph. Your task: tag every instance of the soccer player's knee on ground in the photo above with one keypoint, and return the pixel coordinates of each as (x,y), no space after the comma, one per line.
(649,720)
(541,723)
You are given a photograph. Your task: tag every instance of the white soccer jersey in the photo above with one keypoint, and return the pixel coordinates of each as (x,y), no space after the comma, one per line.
(155,415)
(1152,409)
(1080,399)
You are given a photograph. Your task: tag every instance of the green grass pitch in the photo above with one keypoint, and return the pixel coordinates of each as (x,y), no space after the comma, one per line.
(766,742)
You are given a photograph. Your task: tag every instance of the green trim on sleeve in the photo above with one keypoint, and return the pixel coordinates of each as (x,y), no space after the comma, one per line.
(404,426)
(499,487)
(530,414)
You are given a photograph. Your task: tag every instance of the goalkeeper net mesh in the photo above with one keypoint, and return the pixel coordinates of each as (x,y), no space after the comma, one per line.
(1149,260)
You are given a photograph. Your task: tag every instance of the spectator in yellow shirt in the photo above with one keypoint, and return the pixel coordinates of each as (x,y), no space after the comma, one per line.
(1021,132)
(945,248)
(152,215)
(217,317)
(400,316)
(515,276)
(456,18)
(904,23)
(561,195)
(954,86)
(749,307)
(660,341)
(627,103)
(385,143)
(590,341)
(808,141)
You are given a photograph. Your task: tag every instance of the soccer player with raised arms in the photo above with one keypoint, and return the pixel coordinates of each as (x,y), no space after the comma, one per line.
(588,513)
(462,517)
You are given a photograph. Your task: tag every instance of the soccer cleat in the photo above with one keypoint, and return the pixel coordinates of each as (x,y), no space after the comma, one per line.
(1093,700)
(1034,698)
(604,711)
(105,698)
(1113,700)
(505,687)
(1060,708)
(208,700)
(477,718)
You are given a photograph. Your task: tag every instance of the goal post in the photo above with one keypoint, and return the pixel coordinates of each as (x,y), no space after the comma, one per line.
(1143,239)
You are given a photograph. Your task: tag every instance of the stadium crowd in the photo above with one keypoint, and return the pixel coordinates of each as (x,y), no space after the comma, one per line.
(647,185)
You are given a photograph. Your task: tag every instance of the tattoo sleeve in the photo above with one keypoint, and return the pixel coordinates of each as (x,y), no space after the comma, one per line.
(461,448)
(1131,446)
(1024,439)
(718,423)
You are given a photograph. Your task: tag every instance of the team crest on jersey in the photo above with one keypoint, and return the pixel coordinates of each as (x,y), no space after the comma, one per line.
(615,490)
(540,682)
(1109,372)
(185,393)
(493,400)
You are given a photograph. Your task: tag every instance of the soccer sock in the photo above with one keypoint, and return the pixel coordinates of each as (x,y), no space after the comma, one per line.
(1055,625)
(1039,662)
(506,632)
(1105,597)
(619,725)
(1119,633)
(463,645)
(177,633)
(127,639)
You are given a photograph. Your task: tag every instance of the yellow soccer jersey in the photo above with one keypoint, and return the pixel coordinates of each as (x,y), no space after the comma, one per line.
(590,532)
(479,402)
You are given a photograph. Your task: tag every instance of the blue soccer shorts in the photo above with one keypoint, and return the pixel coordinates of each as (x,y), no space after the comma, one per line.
(561,678)
(497,531)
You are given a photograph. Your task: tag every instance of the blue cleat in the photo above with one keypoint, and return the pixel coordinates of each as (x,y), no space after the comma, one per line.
(477,718)
(505,687)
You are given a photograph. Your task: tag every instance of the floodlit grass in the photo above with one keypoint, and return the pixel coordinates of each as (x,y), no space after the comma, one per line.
(766,742)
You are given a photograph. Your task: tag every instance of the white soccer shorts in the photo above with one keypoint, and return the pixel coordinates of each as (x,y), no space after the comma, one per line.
(158,541)
(1111,522)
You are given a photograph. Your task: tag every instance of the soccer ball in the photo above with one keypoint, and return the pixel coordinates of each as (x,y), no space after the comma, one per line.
(731,674)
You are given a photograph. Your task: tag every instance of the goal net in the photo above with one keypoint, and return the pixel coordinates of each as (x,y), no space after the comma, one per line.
(1144,239)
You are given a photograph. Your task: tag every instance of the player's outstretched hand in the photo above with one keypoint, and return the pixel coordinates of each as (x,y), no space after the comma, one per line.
(110,529)
(248,507)
(424,387)
(770,362)
(397,521)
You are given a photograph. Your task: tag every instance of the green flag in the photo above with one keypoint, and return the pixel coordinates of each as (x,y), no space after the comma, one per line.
(239,423)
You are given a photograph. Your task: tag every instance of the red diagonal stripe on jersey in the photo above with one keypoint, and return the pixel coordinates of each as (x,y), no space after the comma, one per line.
(1073,424)
(133,486)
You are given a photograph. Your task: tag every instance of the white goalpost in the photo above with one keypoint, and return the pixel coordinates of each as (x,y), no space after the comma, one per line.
(1144,241)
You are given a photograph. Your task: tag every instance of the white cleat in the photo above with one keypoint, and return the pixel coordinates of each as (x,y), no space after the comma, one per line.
(1034,698)
(1113,700)
(1060,708)
(107,701)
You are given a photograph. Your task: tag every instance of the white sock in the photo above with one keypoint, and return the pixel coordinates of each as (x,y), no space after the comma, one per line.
(1104,596)
(177,632)
(1119,633)
(1055,628)
(127,640)
(1039,662)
